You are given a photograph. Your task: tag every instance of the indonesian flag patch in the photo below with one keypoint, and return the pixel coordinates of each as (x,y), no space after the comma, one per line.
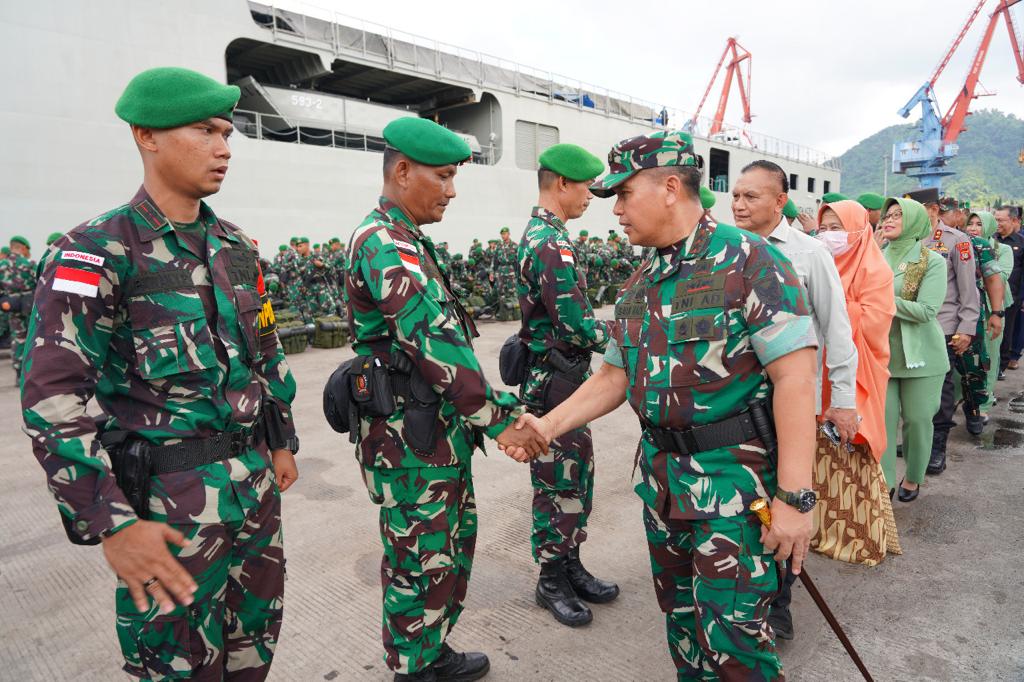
(76,281)
(566,255)
(411,262)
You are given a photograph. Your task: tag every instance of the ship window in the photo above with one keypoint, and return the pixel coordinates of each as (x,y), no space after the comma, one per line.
(810,185)
(718,170)
(531,140)
(826,186)
(793,178)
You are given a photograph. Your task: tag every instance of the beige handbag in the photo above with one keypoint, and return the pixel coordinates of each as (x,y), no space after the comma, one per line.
(853,518)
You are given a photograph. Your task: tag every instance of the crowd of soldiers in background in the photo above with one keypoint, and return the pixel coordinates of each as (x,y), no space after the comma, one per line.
(306,282)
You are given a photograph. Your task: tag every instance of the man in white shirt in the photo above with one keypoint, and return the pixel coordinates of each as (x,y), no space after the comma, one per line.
(758,199)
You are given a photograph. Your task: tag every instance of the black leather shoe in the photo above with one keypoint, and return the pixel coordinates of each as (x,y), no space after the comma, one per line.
(908,495)
(892,491)
(451,667)
(555,593)
(587,587)
(781,621)
(937,461)
(975,424)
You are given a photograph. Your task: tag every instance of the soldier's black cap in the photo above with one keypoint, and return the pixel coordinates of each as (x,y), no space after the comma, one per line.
(925,196)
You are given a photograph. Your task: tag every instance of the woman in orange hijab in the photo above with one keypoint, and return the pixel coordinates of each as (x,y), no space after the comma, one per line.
(854,518)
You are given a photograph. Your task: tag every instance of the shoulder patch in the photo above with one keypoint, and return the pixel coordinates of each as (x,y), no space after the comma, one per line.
(82,257)
(964,248)
(76,281)
(404,245)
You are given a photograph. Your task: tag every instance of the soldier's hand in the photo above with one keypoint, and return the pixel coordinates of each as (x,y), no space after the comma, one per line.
(790,534)
(285,470)
(522,441)
(994,326)
(138,553)
(960,343)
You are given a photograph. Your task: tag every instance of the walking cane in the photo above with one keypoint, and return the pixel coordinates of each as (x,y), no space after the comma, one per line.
(760,507)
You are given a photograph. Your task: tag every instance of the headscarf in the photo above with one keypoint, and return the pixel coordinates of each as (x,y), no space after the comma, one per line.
(871,305)
(916,227)
(988,224)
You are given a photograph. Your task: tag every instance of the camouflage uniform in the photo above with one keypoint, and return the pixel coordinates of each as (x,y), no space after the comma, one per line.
(5,317)
(398,302)
(975,361)
(506,259)
(174,349)
(19,278)
(582,255)
(317,291)
(556,314)
(695,326)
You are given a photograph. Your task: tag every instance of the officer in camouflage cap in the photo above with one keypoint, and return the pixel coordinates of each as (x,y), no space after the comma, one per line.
(558,319)
(703,329)
(159,310)
(417,463)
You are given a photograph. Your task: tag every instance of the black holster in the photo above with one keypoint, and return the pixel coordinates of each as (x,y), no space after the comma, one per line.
(568,372)
(514,361)
(422,406)
(270,428)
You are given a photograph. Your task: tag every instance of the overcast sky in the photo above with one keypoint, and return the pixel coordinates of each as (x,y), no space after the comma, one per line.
(826,73)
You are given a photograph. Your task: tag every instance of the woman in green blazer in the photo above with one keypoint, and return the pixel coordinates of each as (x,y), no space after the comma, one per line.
(983,224)
(918,362)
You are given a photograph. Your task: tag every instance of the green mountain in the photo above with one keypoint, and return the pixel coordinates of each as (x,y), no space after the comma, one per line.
(988,170)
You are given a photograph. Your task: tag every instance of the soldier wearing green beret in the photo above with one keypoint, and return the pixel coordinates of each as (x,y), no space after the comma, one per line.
(832,197)
(157,308)
(54,236)
(17,284)
(873,203)
(558,321)
(416,461)
(706,330)
(5,317)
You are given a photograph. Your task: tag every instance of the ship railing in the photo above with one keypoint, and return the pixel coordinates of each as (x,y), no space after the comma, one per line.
(345,35)
(261,126)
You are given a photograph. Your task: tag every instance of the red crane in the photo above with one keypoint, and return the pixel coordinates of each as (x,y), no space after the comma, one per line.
(953,121)
(739,54)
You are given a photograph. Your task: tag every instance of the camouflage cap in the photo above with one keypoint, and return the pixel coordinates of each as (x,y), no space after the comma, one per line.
(948,204)
(657,150)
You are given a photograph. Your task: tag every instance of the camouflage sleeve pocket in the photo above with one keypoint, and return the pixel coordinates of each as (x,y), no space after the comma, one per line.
(170,337)
(249,308)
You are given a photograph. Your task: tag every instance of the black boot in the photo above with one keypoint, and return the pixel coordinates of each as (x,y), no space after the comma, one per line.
(975,424)
(586,586)
(781,621)
(451,667)
(937,462)
(555,593)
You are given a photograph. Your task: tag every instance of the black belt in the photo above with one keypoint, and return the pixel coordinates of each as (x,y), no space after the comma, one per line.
(726,433)
(195,452)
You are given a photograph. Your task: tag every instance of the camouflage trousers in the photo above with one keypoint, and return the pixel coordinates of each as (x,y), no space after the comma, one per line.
(428,529)
(230,630)
(563,494)
(715,582)
(19,332)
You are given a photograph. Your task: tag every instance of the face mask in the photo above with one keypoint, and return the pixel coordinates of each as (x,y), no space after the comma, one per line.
(836,241)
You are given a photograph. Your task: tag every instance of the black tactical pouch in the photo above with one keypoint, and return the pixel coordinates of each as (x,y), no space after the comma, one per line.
(513,361)
(420,423)
(337,399)
(370,386)
(568,374)
(131,464)
(270,428)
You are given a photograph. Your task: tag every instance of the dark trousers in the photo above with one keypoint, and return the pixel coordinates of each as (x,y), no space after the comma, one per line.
(785,589)
(1009,333)
(943,419)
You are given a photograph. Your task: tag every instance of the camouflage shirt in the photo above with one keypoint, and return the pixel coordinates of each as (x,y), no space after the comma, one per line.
(123,310)
(694,329)
(398,301)
(19,276)
(553,297)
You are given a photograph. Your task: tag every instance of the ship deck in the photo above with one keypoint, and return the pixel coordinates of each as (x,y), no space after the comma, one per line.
(947,609)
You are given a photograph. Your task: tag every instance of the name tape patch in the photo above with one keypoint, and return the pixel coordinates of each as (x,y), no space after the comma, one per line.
(83,257)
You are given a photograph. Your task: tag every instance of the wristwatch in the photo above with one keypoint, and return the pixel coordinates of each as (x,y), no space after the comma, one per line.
(999,313)
(292,444)
(802,500)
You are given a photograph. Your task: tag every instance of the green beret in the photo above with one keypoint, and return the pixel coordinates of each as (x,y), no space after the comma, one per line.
(871,201)
(492,241)
(54,236)
(282,247)
(302,240)
(168,97)
(832,197)
(615,262)
(457,256)
(21,240)
(571,162)
(584,233)
(293,240)
(595,239)
(707,198)
(426,142)
(471,261)
(790,210)
(335,240)
(316,246)
(5,250)
(504,230)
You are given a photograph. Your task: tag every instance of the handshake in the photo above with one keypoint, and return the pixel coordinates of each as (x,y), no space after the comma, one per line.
(527,438)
